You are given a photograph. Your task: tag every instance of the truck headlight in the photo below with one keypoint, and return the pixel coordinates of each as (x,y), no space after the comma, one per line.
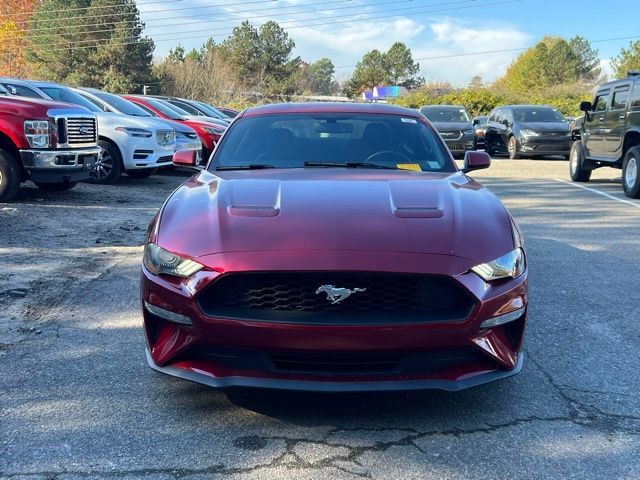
(511,265)
(135,132)
(37,133)
(161,261)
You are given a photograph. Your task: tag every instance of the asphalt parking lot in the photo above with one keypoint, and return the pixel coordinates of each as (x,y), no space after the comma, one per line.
(77,399)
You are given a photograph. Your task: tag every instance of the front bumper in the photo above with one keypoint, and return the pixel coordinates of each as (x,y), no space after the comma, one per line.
(59,166)
(191,351)
(545,145)
(141,153)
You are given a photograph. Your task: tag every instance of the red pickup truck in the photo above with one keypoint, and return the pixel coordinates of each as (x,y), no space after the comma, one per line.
(53,144)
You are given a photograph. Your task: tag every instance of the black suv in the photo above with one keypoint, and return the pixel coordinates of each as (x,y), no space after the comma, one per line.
(527,131)
(454,126)
(610,134)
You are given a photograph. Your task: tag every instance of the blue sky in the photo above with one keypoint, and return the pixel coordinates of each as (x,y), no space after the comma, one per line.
(343,30)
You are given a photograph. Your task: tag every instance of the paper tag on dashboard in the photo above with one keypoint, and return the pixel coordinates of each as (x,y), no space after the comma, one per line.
(415,167)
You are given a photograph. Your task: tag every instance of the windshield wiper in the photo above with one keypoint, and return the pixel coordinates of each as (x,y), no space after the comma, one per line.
(349,165)
(252,166)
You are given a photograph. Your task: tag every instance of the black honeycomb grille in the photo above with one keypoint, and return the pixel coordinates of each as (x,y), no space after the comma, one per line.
(291,297)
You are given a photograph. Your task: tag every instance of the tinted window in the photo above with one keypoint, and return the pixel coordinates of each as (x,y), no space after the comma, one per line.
(22,90)
(635,96)
(171,111)
(121,104)
(187,108)
(620,98)
(436,114)
(537,114)
(66,95)
(601,103)
(212,111)
(288,141)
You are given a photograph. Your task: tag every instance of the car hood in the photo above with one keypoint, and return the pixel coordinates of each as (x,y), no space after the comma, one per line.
(546,127)
(334,209)
(452,126)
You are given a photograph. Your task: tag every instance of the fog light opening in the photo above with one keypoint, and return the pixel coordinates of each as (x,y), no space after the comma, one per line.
(502,319)
(167,314)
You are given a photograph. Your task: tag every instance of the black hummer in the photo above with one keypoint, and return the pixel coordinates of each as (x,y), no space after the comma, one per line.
(609,134)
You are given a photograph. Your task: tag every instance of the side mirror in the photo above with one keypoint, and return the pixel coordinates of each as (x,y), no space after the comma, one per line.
(476,161)
(586,106)
(185,158)
(505,122)
(475,122)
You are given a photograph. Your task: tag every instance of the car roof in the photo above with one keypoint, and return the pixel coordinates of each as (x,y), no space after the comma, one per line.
(449,107)
(330,107)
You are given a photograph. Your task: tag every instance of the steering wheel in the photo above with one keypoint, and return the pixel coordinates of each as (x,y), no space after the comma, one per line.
(401,158)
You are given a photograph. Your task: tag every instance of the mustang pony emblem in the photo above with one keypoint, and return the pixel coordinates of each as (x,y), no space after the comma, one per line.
(336,295)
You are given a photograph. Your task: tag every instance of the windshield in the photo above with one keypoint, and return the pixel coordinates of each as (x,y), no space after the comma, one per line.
(543,114)
(481,121)
(69,96)
(319,139)
(436,114)
(211,111)
(3,91)
(174,113)
(122,105)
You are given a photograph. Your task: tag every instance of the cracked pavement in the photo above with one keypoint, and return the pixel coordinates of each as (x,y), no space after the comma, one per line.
(78,401)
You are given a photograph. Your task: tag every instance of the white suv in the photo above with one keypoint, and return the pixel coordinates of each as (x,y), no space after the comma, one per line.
(130,145)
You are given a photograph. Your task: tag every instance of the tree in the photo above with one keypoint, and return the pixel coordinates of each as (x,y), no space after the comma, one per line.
(628,59)
(553,61)
(14,20)
(99,45)
(401,68)
(369,72)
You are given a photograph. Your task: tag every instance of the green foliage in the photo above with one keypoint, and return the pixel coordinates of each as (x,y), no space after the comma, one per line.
(395,67)
(97,47)
(628,59)
(552,61)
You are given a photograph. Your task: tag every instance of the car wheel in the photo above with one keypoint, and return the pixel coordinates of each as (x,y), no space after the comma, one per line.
(56,187)
(9,176)
(108,166)
(631,173)
(512,148)
(577,169)
(143,173)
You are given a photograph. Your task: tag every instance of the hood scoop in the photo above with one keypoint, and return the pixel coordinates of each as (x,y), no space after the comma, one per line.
(412,200)
(254,198)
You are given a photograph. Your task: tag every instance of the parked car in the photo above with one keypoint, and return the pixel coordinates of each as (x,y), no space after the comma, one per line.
(208,132)
(527,131)
(186,137)
(454,126)
(53,144)
(334,247)
(127,145)
(610,134)
(480,128)
(229,112)
(196,108)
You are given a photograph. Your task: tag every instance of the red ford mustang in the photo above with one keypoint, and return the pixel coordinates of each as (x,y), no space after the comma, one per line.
(334,247)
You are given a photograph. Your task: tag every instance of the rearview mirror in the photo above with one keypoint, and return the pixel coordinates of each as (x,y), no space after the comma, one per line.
(585,106)
(185,158)
(476,161)
(505,122)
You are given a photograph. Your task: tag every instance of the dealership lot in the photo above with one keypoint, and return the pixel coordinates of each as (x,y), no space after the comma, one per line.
(77,399)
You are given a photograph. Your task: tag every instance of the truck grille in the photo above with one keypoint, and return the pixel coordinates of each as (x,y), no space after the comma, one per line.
(290,297)
(80,131)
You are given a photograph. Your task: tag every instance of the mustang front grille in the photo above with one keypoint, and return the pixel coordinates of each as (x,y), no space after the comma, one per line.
(375,298)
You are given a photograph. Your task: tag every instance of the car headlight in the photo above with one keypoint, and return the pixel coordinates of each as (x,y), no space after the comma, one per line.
(511,265)
(214,130)
(529,133)
(161,261)
(37,133)
(135,132)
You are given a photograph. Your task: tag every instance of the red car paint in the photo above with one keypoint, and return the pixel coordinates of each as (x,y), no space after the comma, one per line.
(209,140)
(334,220)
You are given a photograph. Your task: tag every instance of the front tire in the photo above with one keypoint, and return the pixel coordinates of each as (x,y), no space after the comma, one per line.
(512,148)
(56,187)
(143,173)
(10,176)
(631,173)
(109,165)
(577,169)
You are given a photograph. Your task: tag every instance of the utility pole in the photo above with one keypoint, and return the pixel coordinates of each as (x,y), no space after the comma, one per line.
(144,89)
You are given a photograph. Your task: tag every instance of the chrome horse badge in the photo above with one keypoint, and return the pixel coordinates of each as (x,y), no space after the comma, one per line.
(336,295)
